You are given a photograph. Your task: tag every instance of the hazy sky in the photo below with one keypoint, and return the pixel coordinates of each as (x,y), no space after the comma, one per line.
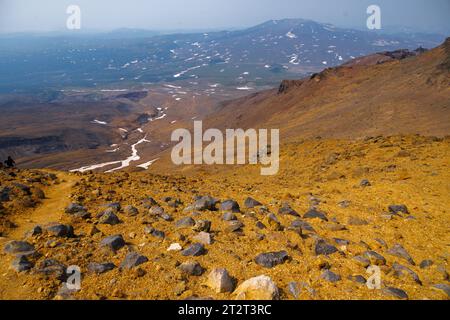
(46,15)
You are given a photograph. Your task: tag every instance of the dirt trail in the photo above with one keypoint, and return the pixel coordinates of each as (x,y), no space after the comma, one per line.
(12,286)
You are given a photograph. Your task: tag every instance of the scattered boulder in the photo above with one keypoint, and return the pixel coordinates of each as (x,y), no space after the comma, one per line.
(375,258)
(52,268)
(132,260)
(74,208)
(313,214)
(114,243)
(229,216)
(395,292)
(60,230)
(272,222)
(426,264)
(399,271)
(203,238)
(155,233)
(303,225)
(323,248)
(21,264)
(191,268)
(251,203)
(14,247)
(220,281)
(131,211)
(36,230)
(287,210)
(195,250)
(156,211)
(109,217)
(396,209)
(271,259)
(362,261)
(330,276)
(205,203)
(258,288)
(183,223)
(231,206)
(443,287)
(202,226)
(100,268)
(400,252)
(234,226)
(149,202)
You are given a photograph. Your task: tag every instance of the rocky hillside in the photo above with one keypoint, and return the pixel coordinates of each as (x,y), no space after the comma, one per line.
(310,232)
(401,92)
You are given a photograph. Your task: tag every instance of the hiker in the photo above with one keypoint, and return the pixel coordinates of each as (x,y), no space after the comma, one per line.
(10,163)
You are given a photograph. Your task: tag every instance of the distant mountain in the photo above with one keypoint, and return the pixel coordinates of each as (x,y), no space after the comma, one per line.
(251,58)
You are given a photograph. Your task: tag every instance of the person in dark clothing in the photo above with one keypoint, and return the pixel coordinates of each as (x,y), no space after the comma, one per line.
(10,163)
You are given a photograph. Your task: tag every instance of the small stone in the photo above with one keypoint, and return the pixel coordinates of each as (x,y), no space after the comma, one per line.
(426,264)
(323,248)
(60,230)
(191,268)
(74,208)
(131,211)
(293,289)
(400,252)
(205,203)
(330,276)
(155,233)
(260,225)
(220,281)
(231,206)
(234,226)
(335,227)
(272,222)
(358,279)
(251,203)
(93,231)
(229,216)
(183,223)
(202,226)
(396,209)
(375,258)
(149,202)
(443,287)
(156,211)
(313,214)
(113,242)
(132,260)
(398,293)
(362,261)
(36,230)
(100,268)
(399,272)
(258,288)
(52,269)
(175,247)
(203,238)
(355,221)
(179,288)
(365,183)
(287,210)
(21,264)
(344,204)
(195,250)
(18,247)
(303,225)
(109,218)
(271,259)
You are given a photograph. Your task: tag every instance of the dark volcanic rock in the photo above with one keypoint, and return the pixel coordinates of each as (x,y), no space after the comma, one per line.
(205,203)
(251,203)
(330,276)
(287,210)
(109,218)
(155,233)
(191,268)
(396,209)
(271,259)
(230,205)
(234,226)
(398,293)
(187,222)
(323,248)
(197,249)
(18,247)
(313,213)
(443,287)
(202,226)
(375,258)
(398,251)
(52,268)
(74,208)
(113,242)
(302,225)
(400,270)
(229,216)
(60,230)
(132,260)
(100,268)
(131,211)
(425,264)
(21,264)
